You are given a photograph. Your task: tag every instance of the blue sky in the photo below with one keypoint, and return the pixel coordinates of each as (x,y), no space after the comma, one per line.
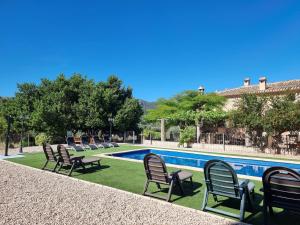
(157,47)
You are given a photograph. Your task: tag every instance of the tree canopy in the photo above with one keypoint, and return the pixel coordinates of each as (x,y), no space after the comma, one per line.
(188,108)
(75,103)
(271,114)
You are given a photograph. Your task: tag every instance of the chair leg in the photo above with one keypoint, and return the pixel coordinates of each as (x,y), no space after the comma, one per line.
(205,199)
(271,211)
(179,183)
(146,186)
(242,207)
(45,165)
(71,170)
(265,212)
(170,191)
(250,198)
(56,165)
(215,198)
(60,166)
(192,184)
(158,185)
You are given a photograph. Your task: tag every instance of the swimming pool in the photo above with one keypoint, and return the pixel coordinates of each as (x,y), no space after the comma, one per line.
(249,167)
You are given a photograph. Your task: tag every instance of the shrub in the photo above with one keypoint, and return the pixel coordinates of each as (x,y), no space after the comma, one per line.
(187,135)
(41,138)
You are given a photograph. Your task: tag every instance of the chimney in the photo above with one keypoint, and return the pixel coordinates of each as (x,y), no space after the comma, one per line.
(262,83)
(247,82)
(201,90)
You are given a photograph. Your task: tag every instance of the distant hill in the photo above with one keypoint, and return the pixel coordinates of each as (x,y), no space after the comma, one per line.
(147,105)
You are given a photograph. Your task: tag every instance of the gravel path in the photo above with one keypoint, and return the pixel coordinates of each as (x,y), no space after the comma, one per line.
(31,196)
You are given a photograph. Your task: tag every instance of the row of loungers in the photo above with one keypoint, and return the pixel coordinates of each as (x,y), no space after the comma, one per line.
(86,145)
(281,186)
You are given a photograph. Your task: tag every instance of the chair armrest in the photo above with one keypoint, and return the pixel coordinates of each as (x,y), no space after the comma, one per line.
(244,185)
(174,174)
(77,158)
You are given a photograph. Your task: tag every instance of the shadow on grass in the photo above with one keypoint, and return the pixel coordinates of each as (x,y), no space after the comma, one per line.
(80,171)
(235,204)
(188,189)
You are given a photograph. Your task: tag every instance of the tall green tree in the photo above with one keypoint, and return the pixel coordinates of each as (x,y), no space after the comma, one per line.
(249,114)
(129,116)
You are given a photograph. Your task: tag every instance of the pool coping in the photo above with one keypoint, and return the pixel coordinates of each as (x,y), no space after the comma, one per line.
(108,155)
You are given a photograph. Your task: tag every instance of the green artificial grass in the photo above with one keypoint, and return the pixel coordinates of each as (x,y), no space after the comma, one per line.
(130,176)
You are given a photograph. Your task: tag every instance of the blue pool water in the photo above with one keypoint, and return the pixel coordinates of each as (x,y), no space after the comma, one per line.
(249,167)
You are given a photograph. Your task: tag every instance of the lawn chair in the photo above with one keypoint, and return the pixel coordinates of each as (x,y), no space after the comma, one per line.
(281,188)
(221,180)
(156,172)
(113,144)
(72,145)
(51,156)
(74,162)
(85,142)
(98,143)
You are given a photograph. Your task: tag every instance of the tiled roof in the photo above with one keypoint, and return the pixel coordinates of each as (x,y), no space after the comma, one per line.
(271,88)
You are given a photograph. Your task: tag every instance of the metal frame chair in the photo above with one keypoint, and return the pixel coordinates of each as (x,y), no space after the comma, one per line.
(221,180)
(156,172)
(281,188)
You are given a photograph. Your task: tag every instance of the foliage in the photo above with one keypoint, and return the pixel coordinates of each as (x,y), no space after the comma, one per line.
(187,135)
(250,115)
(129,115)
(55,106)
(273,115)
(174,132)
(153,134)
(41,138)
(187,108)
(283,115)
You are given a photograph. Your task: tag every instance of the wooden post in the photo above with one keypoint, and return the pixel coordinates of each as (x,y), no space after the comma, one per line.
(198,131)
(162,130)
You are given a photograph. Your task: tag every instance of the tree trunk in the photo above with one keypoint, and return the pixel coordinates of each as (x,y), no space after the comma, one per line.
(275,144)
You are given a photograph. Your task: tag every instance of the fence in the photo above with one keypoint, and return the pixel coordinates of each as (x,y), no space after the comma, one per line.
(221,138)
(126,137)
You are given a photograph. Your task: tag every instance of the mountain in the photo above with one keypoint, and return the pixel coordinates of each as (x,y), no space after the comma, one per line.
(147,105)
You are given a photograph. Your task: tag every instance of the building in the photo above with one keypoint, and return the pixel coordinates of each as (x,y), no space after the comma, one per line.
(262,88)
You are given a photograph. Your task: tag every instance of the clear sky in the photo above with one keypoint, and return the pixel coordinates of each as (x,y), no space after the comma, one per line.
(158,47)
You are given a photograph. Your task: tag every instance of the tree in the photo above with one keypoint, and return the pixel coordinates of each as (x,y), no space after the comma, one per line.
(129,115)
(250,115)
(283,115)
(71,104)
